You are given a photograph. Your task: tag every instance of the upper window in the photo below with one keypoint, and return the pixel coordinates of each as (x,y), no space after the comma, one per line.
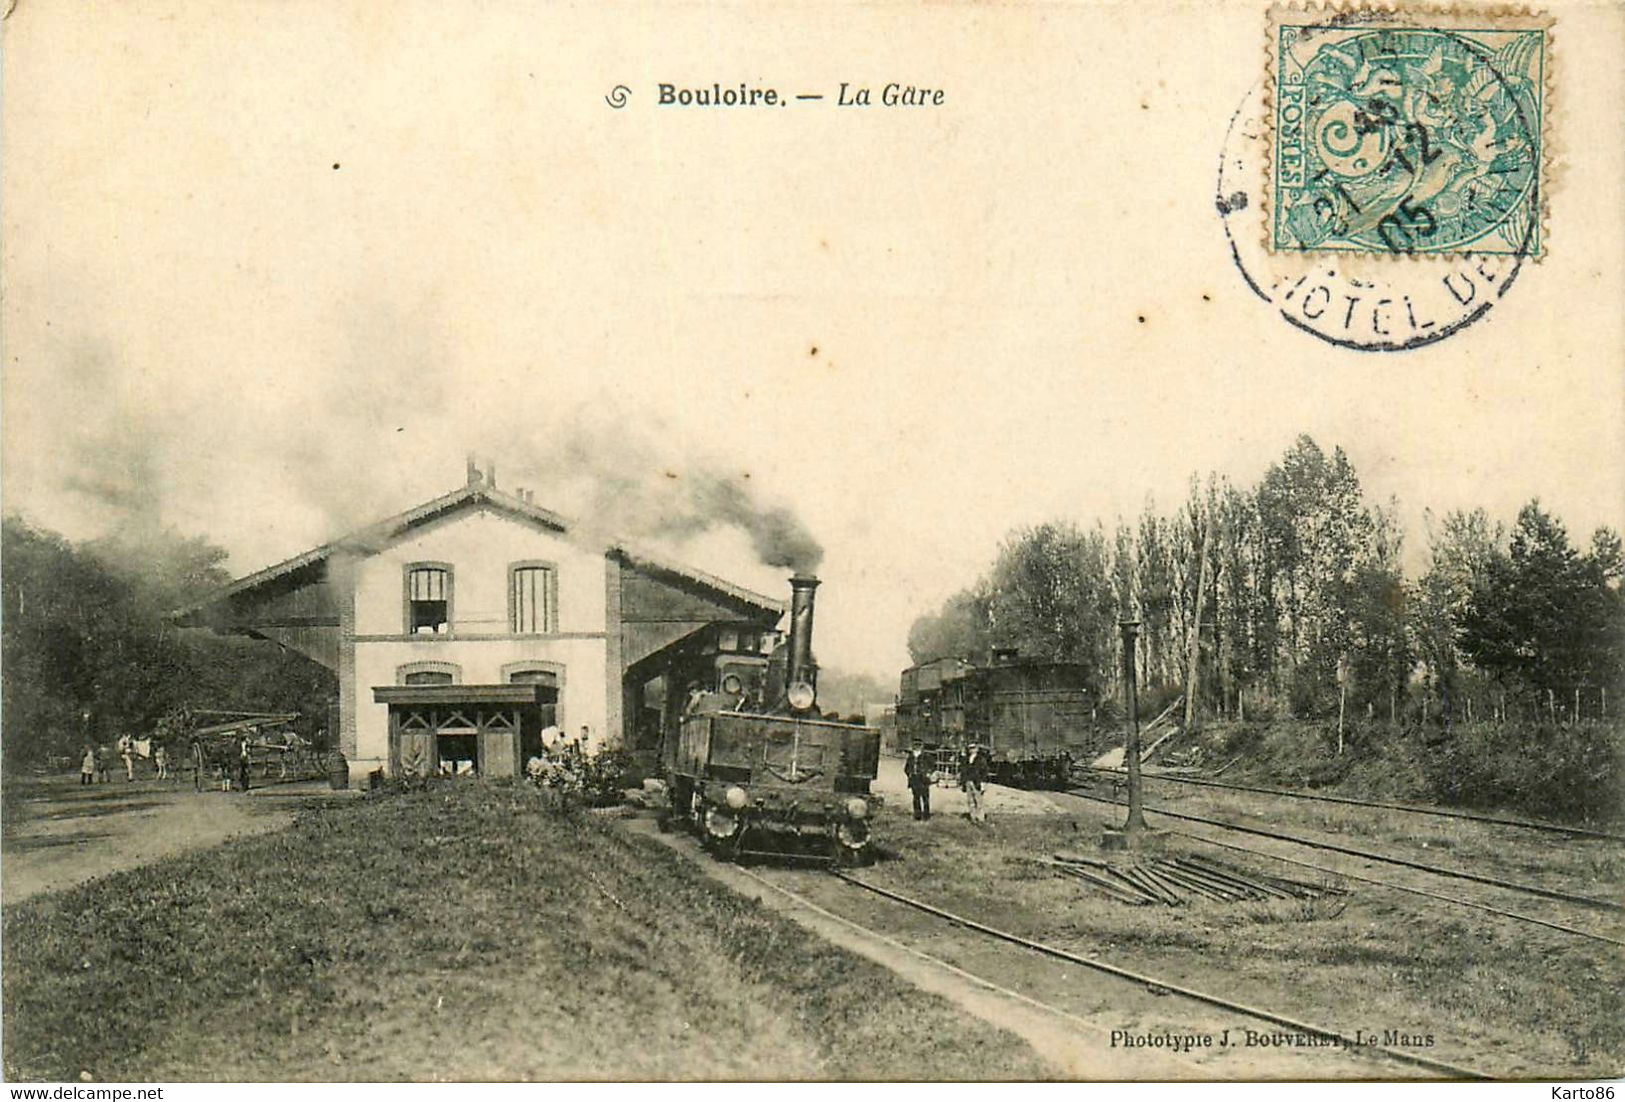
(428,600)
(532,597)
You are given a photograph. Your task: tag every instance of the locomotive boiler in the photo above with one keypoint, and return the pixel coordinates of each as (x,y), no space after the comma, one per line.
(755,770)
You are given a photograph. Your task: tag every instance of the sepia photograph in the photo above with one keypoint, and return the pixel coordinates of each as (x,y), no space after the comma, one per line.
(870,542)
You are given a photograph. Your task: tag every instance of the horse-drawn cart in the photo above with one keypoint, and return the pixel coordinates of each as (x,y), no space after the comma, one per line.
(264,741)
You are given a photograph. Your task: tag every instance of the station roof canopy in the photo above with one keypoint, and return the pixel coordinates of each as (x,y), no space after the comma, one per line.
(459,694)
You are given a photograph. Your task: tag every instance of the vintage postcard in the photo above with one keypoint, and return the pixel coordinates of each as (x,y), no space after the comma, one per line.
(855,542)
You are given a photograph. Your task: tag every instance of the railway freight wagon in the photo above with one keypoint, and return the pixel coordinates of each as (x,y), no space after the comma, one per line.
(931,703)
(1035,717)
(776,780)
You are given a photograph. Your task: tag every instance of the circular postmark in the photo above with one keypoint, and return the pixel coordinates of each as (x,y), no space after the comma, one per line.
(1388,166)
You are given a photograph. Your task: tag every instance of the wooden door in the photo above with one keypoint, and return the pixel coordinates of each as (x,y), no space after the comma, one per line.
(499,744)
(411,743)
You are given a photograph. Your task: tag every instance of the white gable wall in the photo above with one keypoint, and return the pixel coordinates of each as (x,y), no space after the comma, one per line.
(480,544)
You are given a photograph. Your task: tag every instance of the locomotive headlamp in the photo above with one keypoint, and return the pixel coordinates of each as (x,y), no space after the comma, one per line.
(720,824)
(857,809)
(801,696)
(735,798)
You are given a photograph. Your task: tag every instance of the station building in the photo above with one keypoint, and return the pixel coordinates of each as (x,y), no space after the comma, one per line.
(461,629)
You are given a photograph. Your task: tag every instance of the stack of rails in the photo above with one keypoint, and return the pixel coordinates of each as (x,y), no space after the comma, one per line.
(1177,881)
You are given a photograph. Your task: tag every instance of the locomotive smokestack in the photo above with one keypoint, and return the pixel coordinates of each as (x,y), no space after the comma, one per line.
(799,667)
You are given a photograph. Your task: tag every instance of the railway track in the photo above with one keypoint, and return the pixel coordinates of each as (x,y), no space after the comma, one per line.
(1415,809)
(1370,855)
(1162,986)
(1457,900)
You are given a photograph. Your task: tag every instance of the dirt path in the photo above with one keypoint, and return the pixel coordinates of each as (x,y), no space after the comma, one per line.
(58,833)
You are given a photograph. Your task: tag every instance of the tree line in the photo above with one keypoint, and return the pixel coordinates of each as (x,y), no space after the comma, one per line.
(87,652)
(1294,590)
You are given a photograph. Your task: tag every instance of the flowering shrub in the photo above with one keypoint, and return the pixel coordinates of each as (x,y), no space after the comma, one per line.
(605,776)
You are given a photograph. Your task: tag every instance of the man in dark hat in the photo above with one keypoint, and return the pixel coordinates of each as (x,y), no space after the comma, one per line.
(971,778)
(917,768)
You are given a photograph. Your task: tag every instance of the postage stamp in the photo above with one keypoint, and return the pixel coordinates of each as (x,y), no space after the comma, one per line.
(1406,132)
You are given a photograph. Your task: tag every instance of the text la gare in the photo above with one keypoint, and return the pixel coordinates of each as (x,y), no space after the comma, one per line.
(892,95)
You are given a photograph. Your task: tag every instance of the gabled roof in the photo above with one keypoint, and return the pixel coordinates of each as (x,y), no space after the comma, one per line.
(641,558)
(476,494)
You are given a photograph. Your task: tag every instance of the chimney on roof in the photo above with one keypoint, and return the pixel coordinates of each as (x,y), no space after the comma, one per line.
(491,473)
(473,470)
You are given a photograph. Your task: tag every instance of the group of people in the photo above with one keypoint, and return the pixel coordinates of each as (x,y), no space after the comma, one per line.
(95,762)
(920,767)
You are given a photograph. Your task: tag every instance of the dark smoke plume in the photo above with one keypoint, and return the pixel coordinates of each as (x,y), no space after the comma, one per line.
(382,427)
(779,537)
(618,484)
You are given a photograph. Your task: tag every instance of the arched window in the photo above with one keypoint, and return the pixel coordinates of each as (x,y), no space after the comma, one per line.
(549,712)
(428,598)
(428,673)
(533,598)
(534,672)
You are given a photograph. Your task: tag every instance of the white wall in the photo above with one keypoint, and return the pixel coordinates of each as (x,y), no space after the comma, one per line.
(480,544)
(582,699)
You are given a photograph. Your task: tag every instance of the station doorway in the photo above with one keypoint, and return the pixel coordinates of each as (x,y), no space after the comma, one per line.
(454,730)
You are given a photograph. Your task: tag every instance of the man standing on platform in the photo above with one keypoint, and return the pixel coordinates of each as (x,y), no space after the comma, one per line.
(972,777)
(917,768)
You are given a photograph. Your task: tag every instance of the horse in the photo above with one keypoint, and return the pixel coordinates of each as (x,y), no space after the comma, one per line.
(148,748)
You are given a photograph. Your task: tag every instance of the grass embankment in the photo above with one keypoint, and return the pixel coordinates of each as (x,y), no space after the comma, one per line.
(1573,773)
(1506,997)
(461,933)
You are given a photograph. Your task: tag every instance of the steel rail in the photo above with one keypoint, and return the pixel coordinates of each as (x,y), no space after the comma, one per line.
(1437,870)
(980,981)
(1418,809)
(1348,1043)
(1403,888)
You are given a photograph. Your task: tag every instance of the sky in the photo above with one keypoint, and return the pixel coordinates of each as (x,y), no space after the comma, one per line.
(272,271)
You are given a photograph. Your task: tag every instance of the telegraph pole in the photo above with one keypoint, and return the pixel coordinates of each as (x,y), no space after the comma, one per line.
(1131,744)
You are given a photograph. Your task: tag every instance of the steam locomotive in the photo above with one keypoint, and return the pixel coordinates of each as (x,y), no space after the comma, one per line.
(1035,717)
(752,767)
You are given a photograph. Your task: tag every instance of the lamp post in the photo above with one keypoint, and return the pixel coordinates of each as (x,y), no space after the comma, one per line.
(1131,744)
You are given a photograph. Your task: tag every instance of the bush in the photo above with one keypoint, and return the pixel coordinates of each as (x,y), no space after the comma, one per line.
(605,776)
(1545,770)
(1573,772)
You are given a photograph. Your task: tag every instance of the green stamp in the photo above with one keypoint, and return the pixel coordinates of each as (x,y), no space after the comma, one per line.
(1407,135)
